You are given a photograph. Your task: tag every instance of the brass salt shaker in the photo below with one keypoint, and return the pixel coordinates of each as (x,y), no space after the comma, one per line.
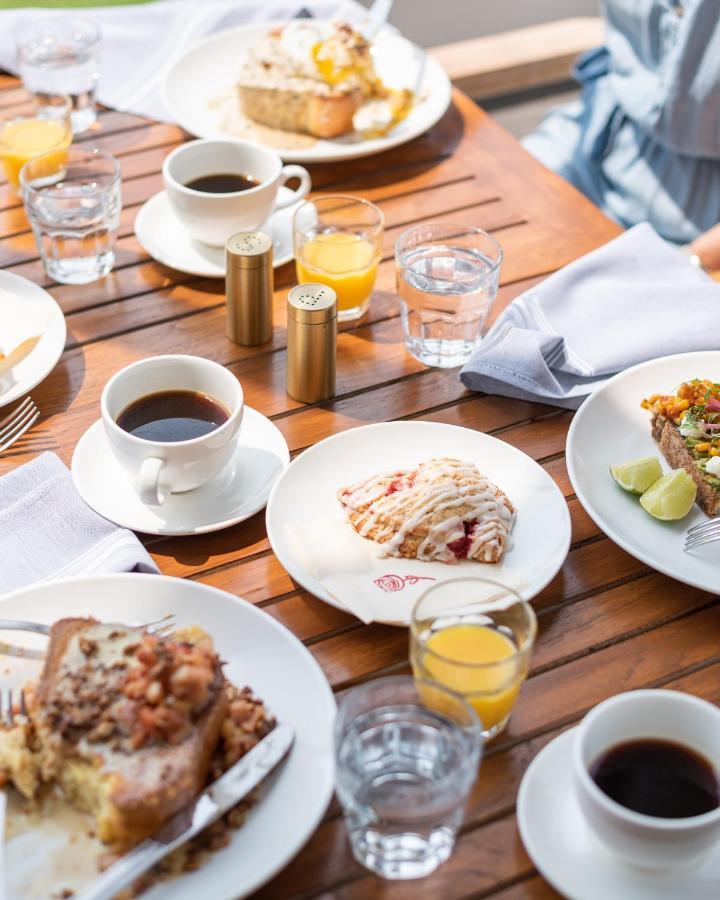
(249,287)
(311,338)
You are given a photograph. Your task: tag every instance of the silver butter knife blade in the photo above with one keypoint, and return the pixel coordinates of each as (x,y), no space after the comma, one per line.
(220,797)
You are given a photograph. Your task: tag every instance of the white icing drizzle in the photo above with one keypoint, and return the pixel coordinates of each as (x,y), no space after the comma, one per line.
(419,503)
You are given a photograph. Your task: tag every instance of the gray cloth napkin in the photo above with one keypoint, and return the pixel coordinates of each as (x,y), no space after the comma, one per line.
(634,299)
(142,41)
(47,532)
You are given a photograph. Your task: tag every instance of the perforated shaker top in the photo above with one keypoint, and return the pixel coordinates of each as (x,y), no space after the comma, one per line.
(248,249)
(312,303)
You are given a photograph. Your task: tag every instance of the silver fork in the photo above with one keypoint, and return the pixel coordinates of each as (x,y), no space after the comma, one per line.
(14,425)
(10,705)
(705,533)
(162,626)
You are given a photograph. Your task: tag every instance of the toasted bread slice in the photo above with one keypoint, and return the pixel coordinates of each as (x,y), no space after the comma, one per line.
(302,111)
(672,445)
(102,725)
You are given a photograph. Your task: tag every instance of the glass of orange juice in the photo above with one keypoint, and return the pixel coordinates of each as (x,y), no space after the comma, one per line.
(27,137)
(338,242)
(474,636)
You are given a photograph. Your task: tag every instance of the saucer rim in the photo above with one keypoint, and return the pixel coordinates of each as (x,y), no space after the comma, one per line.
(144,212)
(219,525)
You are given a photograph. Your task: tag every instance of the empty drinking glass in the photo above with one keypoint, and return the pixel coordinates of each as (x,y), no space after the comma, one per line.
(62,54)
(407,755)
(447,279)
(72,199)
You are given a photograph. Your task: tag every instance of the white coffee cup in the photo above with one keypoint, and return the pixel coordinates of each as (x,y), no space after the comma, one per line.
(212,218)
(157,468)
(642,840)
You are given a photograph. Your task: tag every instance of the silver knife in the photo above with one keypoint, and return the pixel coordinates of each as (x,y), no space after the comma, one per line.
(220,797)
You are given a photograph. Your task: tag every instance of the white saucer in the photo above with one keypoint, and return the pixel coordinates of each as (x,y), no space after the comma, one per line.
(237,493)
(566,852)
(160,233)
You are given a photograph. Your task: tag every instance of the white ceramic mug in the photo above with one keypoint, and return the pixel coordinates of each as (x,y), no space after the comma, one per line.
(212,218)
(157,468)
(647,841)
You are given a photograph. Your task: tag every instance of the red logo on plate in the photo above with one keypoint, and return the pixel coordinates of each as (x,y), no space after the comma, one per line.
(392,583)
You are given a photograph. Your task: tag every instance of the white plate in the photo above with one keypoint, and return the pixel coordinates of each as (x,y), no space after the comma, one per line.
(27,310)
(253,644)
(160,233)
(307,490)
(196,81)
(611,427)
(560,843)
(238,492)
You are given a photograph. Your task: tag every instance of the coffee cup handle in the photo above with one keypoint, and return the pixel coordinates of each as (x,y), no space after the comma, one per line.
(286,174)
(152,491)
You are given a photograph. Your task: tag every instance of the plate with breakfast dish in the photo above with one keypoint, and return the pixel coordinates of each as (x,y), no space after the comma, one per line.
(643,454)
(32,336)
(121,725)
(368,518)
(313,90)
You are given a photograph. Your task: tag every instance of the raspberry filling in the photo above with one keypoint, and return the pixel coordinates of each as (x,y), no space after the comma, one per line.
(401,482)
(461,547)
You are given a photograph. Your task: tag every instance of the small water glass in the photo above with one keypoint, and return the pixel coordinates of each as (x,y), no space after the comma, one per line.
(474,636)
(72,200)
(62,54)
(447,280)
(408,753)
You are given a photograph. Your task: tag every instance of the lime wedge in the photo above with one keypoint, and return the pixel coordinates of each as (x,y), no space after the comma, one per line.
(637,475)
(671,497)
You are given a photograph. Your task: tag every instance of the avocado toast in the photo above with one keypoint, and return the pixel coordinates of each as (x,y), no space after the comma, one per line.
(686,426)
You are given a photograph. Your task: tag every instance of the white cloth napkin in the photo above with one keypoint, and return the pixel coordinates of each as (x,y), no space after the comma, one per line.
(634,299)
(141,42)
(47,532)
(374,588)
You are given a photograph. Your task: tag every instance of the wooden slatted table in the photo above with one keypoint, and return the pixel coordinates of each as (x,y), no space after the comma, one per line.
(607,623)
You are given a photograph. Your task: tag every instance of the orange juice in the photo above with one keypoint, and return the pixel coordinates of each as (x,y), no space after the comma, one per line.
(343,261)
(490,681)
(26,139)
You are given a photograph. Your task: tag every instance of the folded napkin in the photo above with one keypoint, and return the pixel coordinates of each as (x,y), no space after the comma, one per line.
(634,299)
(141,42)
(374,588)
(47,532)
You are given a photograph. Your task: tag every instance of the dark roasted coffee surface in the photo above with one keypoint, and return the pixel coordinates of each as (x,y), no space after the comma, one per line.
(172,416)
(222,183)
(658,778)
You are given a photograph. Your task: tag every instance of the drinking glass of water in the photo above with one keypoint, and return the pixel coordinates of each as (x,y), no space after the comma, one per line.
(447,279)
(407,755)
(72,199)
(58,54)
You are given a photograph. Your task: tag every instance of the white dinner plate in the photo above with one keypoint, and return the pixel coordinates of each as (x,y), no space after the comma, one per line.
(307,489)
(161,233)
(198,91)
(27,310)
(259,652)
(610,428)
(560,843)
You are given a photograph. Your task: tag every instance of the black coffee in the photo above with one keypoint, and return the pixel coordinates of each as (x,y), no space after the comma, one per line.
(658,778)
(222,183)
(172,416)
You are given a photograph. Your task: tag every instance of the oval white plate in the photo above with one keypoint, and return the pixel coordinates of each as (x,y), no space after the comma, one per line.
(307,490)
(610,427)
(560,843)
(235,494)
(26,310)
(210,68)
(259,652)
(160,232)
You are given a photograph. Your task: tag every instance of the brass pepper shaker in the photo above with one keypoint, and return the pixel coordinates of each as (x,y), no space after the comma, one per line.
(311,338)
(249,287)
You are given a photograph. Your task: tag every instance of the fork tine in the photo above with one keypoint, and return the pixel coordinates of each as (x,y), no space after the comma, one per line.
(27,412)
(23,705)
(160,621)
(698,541)
(19,413)
(20,430)
(712,525)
